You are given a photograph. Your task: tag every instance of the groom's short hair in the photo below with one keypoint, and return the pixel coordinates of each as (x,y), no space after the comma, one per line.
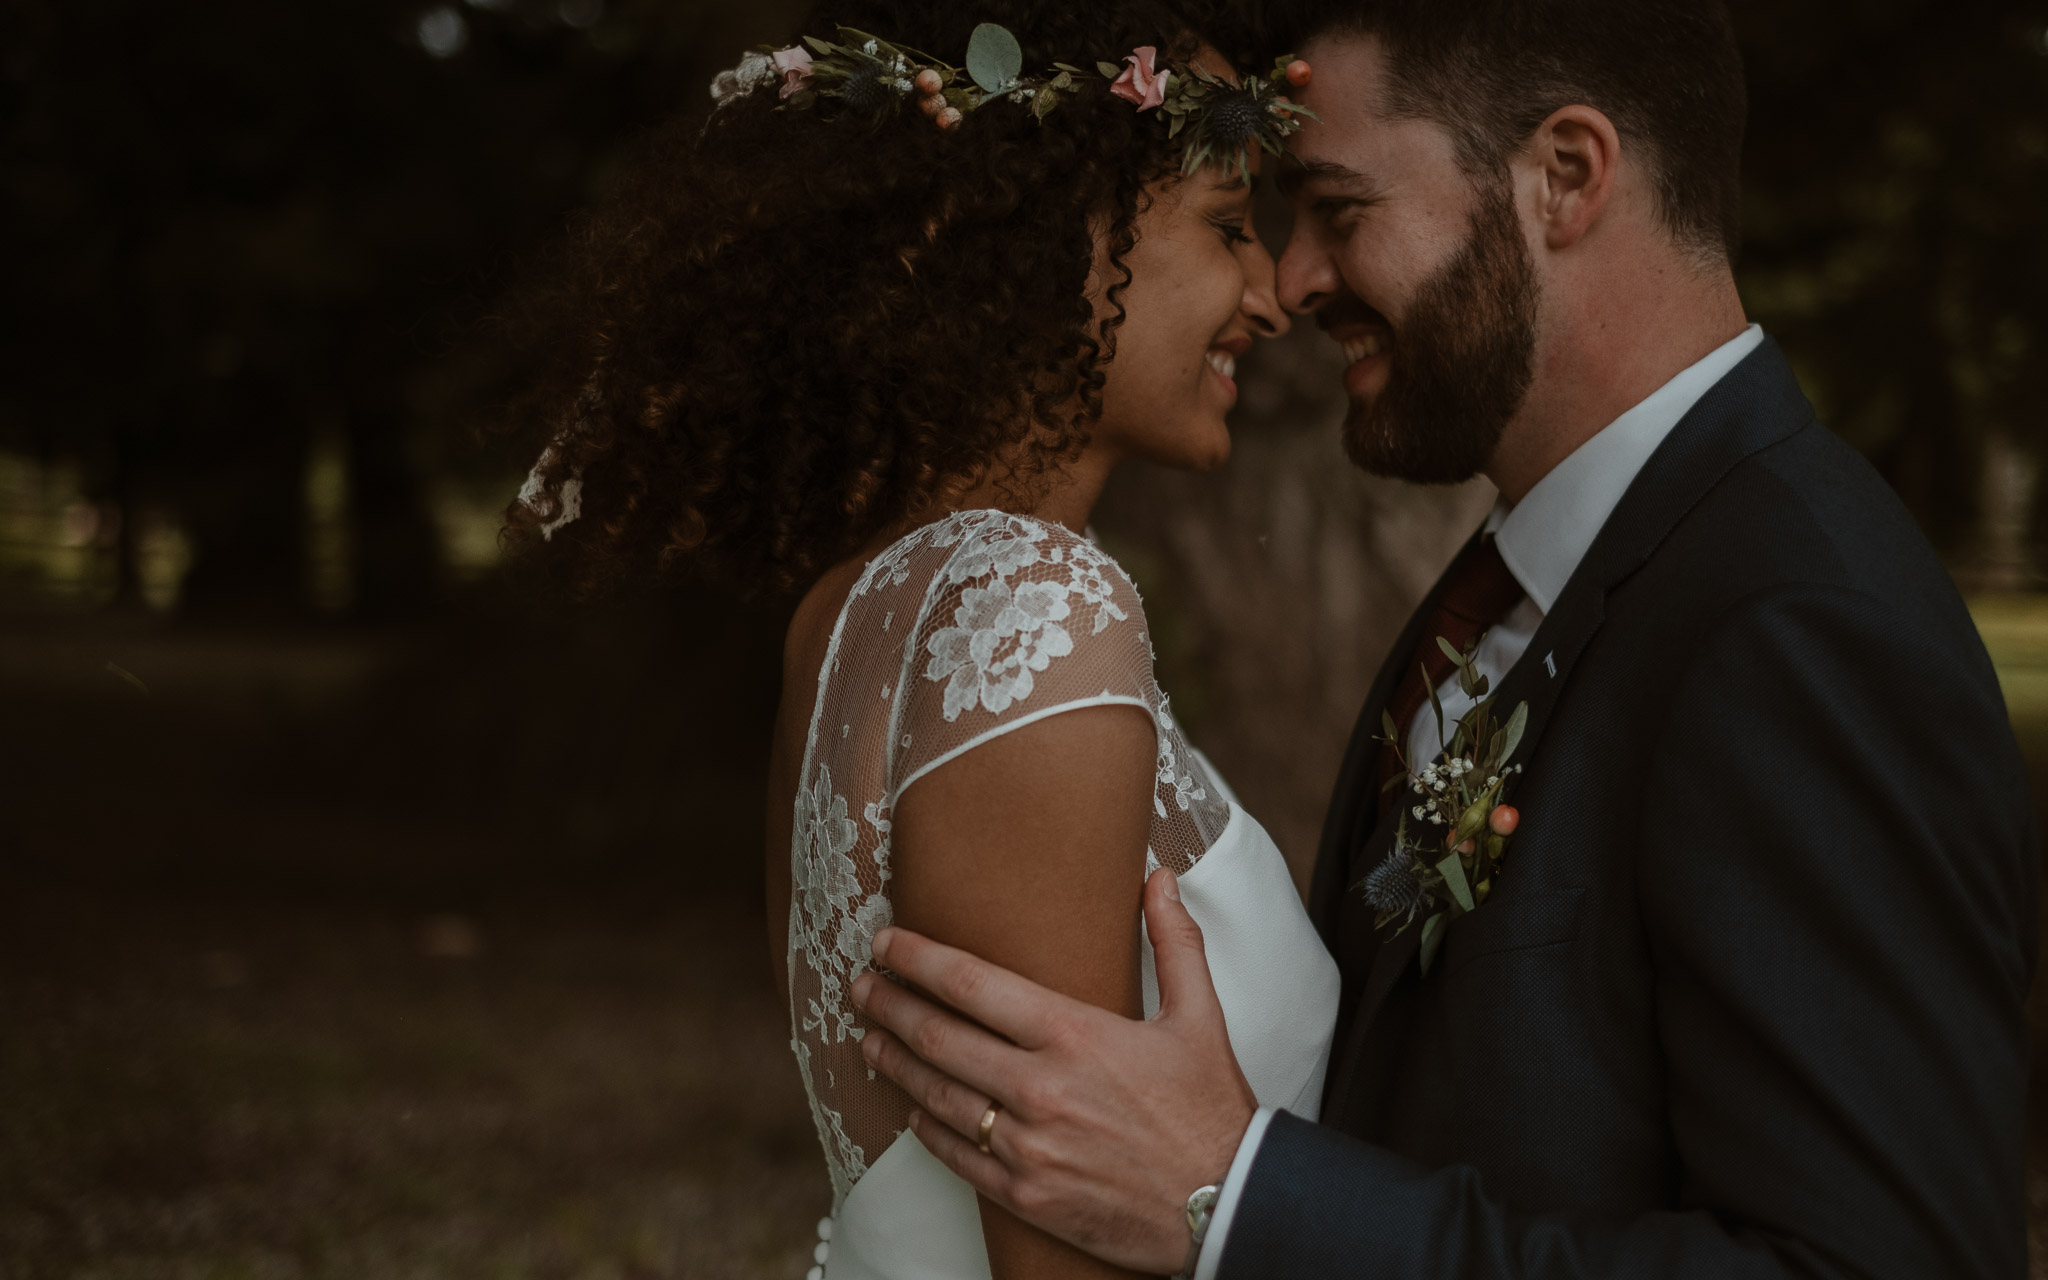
(1666,72)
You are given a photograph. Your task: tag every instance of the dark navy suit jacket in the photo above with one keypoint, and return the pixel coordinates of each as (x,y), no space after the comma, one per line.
(1747,1000)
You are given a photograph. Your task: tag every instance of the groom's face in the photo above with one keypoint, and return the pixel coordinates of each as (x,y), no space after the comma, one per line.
(1423,275)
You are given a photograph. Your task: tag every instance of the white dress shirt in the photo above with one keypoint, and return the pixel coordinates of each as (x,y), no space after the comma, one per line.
(1542,539)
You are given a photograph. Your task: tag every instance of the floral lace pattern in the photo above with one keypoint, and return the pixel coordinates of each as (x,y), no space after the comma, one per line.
(966,627)
(998,638)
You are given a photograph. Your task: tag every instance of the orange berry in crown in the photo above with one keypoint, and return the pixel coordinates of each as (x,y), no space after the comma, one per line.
(1299,73)
(929,83)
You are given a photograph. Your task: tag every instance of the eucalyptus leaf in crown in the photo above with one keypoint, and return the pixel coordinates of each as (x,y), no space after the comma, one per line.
(1215,120)
(1448,866)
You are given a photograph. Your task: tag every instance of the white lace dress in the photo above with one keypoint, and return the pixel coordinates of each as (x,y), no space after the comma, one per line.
(962,631)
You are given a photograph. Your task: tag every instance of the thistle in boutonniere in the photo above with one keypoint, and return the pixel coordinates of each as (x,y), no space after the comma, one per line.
(1444,865)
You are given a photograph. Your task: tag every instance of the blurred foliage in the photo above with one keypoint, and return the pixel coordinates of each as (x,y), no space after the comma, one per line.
(245,231)
(1897,187)
(241,224)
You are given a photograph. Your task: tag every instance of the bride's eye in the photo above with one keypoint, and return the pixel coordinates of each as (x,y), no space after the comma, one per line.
(1234,232)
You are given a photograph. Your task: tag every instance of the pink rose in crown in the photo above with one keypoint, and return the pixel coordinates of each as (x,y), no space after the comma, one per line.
(794,64)
(1142,82)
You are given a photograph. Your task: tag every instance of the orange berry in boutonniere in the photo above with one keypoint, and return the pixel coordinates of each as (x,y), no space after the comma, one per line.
(1504,819)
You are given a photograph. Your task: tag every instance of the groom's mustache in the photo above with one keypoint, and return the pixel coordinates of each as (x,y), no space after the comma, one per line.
(1348,309)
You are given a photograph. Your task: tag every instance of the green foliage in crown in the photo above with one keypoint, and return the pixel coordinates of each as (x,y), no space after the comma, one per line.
(1215,120)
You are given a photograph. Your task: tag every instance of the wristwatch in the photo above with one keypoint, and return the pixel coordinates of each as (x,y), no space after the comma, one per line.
(1200,1205)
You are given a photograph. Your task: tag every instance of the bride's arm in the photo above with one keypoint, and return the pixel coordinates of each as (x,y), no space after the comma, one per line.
(1030,851)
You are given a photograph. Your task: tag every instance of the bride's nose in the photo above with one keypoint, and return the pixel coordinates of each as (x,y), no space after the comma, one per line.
(1261,302)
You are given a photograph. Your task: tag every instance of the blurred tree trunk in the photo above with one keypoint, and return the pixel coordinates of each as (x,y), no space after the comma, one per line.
(396,551)
(2002,557)
(1275,586)
(245,503)
(126,490)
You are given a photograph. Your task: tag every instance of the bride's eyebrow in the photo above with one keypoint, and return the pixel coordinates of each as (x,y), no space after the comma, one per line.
(1230,186)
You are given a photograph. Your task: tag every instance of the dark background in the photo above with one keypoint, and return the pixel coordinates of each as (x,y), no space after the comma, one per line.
(367,911)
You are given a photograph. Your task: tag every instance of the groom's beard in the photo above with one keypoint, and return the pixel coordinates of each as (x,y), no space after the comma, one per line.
(1463,358)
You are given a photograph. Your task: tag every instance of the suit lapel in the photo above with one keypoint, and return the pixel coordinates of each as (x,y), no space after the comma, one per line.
(1758,404)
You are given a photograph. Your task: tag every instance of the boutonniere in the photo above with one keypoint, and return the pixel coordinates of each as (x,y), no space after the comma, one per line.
(1444,864)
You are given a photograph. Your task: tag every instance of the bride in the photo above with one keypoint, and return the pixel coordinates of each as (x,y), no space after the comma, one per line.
(879,333)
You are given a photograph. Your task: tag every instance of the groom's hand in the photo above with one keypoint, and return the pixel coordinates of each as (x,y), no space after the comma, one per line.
(1105,1125)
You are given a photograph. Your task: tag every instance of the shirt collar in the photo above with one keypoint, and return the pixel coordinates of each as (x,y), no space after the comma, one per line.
(1544,536)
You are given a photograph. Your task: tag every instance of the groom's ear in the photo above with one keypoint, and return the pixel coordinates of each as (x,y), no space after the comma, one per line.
(1578,154)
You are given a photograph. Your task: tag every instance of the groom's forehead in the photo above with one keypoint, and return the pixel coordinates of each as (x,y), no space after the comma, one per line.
(1350,72)
(1346,95)
(1354,141)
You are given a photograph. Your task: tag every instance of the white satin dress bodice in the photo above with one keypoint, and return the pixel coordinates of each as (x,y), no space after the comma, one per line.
(964,630)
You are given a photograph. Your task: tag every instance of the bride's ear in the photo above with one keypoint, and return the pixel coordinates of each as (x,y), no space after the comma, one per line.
(1578,154)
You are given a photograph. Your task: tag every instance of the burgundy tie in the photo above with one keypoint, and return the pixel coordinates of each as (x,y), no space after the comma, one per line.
(1479,593)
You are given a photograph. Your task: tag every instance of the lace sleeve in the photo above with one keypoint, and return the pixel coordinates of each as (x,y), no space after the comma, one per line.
(1025,620)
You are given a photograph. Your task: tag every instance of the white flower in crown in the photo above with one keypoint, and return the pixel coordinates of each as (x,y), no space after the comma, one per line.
(567,505)
(754,70)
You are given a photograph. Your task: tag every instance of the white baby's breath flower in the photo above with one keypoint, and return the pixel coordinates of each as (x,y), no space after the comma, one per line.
(1420,812)
(871,48)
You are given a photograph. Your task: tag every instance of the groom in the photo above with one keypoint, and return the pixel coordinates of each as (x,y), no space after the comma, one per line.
(1747,998)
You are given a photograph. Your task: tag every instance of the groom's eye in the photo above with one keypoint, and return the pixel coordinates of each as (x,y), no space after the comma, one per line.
(1338,213)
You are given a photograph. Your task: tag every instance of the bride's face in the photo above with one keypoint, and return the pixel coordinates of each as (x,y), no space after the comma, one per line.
(1201,290)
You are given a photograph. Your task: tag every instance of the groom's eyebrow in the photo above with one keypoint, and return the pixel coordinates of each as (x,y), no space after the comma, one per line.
(1295,176)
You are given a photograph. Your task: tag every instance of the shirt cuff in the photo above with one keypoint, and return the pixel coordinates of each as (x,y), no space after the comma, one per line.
(1211,1259)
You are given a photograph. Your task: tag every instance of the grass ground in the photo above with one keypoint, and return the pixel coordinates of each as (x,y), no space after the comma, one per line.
(262,1014)
(253,1091)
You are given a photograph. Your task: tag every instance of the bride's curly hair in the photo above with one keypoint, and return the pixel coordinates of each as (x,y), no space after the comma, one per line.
(790,330)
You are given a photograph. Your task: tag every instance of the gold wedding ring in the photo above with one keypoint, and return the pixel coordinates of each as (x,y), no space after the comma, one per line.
(988,1126)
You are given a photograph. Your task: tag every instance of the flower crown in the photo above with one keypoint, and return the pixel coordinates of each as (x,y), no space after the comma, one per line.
(1213,119)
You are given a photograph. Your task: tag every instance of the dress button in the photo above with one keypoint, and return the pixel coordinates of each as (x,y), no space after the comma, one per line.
(815,1273)
(822,1252)
(824,1228)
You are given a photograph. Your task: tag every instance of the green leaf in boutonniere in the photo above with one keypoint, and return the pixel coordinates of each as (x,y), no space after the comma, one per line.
(1511,736)
(1432,939)
(1445,864)
(1452,869)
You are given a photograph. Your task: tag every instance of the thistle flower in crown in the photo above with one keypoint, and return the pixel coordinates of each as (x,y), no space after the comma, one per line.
(1446,865)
